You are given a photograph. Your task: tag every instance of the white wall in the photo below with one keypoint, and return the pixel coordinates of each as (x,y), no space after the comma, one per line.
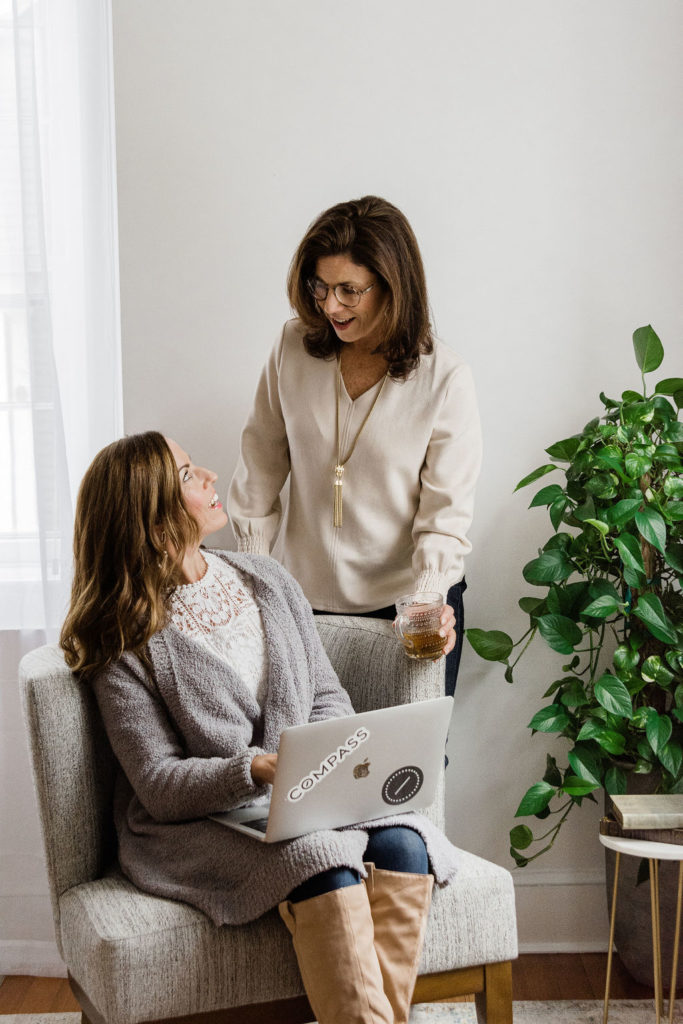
(536,149)
(27,943)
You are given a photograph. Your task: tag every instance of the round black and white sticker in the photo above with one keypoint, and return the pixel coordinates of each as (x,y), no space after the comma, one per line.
(403,784)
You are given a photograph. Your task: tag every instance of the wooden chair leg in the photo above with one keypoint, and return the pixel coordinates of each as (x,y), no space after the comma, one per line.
(494,1004)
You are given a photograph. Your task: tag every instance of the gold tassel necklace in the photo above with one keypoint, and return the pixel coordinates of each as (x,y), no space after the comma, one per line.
(339,467)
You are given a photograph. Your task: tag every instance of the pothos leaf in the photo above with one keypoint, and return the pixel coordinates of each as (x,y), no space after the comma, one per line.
(651,611)
(490,644)
(541,471)
(536,799)
(611,693)
(652,527)
(648,348)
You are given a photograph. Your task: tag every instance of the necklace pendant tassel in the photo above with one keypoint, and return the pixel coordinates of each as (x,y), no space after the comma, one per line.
(338,472)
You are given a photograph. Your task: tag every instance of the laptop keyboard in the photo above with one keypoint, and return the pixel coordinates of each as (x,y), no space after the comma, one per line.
(259,824)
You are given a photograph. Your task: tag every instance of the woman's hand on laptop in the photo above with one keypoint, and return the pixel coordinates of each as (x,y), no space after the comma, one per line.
(263,768)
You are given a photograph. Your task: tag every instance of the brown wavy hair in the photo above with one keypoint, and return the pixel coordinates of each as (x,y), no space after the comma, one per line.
(375,235)
(129,505)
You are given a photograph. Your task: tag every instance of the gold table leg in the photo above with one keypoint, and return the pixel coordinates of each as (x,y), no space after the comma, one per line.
(656,942)
(605,1011)
(677,936)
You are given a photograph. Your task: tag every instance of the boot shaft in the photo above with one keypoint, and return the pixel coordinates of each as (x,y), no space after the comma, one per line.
(399,904)
(333,939)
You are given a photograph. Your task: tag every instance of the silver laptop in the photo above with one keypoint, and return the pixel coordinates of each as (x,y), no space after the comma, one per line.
(346,770)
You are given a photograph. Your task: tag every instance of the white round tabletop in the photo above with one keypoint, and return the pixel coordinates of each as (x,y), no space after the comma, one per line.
(643,848)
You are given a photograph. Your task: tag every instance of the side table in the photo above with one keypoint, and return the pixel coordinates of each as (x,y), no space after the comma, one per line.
(653,852)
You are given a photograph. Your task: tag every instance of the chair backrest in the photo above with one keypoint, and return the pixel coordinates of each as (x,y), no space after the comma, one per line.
(73,771)
(74,768)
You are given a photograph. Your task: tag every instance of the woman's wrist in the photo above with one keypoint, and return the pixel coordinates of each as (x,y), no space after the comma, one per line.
(263,769)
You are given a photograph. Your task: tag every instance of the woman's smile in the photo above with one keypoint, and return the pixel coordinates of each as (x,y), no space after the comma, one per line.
(340,325)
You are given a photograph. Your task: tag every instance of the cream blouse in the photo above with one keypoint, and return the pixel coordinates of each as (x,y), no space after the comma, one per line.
(408,487)
(219,613)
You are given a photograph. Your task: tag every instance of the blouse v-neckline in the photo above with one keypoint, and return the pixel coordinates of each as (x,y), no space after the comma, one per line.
(363,394)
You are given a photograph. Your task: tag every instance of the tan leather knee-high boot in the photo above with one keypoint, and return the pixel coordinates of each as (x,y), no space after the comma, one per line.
(333,941)
(399,903)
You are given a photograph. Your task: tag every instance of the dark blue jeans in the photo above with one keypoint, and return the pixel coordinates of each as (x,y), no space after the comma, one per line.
(454,599)
(393,848)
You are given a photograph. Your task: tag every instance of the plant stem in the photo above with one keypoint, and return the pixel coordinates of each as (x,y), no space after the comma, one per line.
(553,831)
(533,634)
(554,828)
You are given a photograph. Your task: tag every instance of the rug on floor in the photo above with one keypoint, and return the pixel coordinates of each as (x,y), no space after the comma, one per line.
(622,1011)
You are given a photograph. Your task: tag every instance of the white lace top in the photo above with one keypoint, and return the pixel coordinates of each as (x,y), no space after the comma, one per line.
(220,613)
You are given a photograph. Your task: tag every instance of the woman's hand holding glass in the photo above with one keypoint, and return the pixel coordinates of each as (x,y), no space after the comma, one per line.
(425,627)
(448,628)
(263,769)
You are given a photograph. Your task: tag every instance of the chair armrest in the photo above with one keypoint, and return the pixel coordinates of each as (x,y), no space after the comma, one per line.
(371,664)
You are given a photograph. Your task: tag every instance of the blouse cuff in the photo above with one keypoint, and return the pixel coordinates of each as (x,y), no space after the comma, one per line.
(431,580)
(254,544)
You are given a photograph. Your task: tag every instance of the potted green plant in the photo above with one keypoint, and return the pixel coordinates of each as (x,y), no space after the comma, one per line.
(608,600)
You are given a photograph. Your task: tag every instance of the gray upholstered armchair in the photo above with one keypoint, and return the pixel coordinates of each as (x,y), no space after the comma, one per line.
(133,957)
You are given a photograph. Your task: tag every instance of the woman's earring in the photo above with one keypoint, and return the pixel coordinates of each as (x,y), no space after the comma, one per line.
(162,540)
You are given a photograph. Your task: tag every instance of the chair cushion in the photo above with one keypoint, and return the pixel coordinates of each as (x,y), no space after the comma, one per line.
(111,934)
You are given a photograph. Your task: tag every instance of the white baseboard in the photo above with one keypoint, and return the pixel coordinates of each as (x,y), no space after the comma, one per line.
(522,877)
(563,947)
(37,958)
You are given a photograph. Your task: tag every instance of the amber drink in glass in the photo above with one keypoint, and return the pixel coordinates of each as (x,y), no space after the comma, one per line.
(418,623)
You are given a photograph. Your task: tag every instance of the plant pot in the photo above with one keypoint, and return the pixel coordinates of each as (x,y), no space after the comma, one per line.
(633,922)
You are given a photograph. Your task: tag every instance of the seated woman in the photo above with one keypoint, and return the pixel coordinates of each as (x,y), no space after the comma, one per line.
(199,659)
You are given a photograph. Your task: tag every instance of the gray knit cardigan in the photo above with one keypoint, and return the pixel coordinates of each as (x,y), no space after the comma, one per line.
(185,740)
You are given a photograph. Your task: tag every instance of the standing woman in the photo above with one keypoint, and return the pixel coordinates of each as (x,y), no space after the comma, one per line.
(375,423)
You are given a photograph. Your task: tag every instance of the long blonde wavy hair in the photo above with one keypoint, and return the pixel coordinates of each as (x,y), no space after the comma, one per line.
(129,510)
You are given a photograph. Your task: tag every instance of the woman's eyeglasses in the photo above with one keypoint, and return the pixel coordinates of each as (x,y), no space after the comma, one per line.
(345,294)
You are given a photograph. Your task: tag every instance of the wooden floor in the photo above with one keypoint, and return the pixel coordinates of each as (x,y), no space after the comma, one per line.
(571,976)
(22,994)
(534,976)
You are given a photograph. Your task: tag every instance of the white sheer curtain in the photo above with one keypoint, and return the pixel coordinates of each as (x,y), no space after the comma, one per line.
(60,393)
(60,378)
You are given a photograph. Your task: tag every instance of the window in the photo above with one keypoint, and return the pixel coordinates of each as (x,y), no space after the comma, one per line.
(57,203)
